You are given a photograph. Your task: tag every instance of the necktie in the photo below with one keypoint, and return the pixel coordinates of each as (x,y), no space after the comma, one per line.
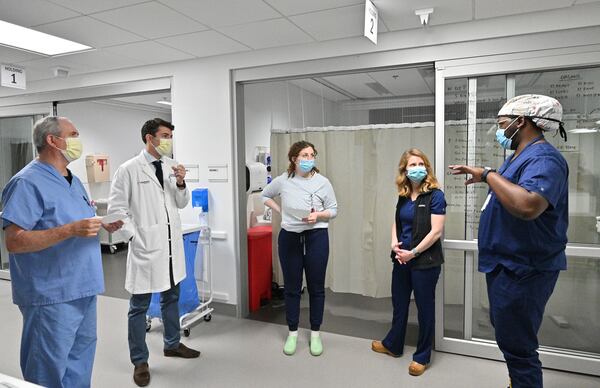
(159,172)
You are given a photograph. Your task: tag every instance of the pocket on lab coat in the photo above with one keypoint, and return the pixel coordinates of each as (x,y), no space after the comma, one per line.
(149,239)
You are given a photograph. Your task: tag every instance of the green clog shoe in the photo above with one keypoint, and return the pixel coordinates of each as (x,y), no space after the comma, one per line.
(290,345)
(316,346)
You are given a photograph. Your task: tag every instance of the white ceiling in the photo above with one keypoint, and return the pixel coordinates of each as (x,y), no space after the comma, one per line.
(127,33)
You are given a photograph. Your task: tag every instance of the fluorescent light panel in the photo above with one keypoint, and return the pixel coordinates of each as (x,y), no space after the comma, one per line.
(584,130)
(22,38)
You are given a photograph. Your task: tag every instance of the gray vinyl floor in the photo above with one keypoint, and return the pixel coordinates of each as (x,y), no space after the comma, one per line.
(248,353)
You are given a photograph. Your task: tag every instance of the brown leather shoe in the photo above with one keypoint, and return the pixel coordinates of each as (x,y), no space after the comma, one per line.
(141,374)
(182,351)
(377,346)
(416,369)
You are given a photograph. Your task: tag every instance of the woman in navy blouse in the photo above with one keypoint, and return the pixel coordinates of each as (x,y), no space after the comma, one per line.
(417,256)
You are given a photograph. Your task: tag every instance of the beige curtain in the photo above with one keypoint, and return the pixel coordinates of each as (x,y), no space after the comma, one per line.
(361,163)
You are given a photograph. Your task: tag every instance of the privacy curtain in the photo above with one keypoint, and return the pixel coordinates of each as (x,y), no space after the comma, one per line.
(361,162)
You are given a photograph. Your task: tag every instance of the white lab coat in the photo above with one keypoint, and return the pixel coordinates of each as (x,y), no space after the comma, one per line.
(136,192)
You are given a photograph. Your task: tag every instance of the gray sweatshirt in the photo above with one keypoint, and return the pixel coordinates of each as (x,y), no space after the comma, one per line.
(298,196)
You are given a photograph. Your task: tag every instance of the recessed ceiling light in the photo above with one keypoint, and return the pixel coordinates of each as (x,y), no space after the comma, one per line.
(164,101)
(584,130)
(14,36)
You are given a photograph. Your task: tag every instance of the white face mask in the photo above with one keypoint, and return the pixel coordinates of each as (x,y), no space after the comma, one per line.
(165,147)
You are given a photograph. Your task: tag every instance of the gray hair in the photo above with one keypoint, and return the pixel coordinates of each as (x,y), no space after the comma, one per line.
(49,125)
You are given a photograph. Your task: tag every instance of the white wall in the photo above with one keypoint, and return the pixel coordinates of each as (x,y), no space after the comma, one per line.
(107,129)
(202,98)
(282,105)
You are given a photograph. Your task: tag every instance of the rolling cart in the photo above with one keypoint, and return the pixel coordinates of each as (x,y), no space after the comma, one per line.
(194,304)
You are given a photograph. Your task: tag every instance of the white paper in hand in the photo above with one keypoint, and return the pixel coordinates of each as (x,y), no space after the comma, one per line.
(110,218)
(299,214)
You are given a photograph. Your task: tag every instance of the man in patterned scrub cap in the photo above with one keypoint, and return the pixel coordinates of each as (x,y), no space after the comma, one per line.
(523,229)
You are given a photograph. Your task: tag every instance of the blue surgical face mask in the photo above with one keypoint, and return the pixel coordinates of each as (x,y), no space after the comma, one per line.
(501,138)
(416,174)
(306,165)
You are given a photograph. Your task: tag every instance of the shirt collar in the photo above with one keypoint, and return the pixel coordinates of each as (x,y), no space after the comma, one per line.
(149,157)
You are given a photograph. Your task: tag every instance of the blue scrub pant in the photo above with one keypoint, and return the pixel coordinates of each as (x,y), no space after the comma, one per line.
(517,306)
(58,343)
(308,251)
(423,282)
(138,306)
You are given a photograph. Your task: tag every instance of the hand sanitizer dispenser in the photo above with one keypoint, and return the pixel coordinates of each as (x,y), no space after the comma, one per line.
(200,200)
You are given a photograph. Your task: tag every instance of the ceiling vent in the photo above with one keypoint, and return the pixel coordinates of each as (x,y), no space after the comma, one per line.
(61,72)
(378,88)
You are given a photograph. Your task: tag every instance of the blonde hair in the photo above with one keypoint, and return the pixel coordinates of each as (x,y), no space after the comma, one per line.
(404,185)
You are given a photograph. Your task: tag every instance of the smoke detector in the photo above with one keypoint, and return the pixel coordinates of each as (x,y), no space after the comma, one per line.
(424,15)
(60,72)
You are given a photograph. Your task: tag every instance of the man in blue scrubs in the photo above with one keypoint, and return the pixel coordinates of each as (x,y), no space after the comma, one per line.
(55,262)
(523,229)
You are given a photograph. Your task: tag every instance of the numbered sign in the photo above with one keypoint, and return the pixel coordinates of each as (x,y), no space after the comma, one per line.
(12,76)
(371,21)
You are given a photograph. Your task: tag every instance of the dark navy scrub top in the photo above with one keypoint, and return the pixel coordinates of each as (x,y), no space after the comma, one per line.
(406,214)
(539,244)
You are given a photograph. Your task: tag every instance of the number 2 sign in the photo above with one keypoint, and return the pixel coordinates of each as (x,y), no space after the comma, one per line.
(370,21)
(12,76)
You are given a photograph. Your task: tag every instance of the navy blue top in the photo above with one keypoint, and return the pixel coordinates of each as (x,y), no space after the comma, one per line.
(406,214)
(521,245)
(38,198)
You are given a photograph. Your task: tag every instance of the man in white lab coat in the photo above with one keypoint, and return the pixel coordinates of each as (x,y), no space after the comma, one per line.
(149,189)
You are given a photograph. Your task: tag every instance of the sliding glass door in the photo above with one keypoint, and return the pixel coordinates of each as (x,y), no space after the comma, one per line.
(569,333)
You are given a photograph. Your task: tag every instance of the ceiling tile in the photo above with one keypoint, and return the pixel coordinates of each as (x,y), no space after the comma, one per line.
(90,32)
(335,23)
(11,55)
(44,68)
(489,8)
(586,1)
(444,12)
(270,33)
(223,12)
(33,13)
(204,44)
(136,19)
(318,89)
(149,52)
(355,84)
(91,6)
(404,82)
(99,60)
(294,7)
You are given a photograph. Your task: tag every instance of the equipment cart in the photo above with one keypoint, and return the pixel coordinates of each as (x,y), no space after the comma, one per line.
(194,304)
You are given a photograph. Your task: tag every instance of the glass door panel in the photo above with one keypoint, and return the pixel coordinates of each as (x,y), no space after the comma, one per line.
(568,335)
(16,151)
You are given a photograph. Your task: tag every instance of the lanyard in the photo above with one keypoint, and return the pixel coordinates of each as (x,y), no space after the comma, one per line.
(312,208)
(505,167)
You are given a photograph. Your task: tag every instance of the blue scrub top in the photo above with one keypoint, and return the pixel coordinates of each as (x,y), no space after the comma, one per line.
(38,198)
(406,214)
(520,245)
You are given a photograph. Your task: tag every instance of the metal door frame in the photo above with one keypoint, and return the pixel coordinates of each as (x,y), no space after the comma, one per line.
(19,111)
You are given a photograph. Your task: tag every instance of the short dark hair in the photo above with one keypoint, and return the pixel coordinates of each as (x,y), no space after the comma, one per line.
(151,127)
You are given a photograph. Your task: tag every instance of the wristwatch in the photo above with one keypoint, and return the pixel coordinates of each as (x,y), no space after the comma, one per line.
(486,171)
(415,252)
(180,186)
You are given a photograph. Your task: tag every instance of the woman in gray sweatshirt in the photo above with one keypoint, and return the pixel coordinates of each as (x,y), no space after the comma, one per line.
(307,204)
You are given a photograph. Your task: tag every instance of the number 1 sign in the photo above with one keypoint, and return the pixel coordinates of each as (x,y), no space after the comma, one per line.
(12,76)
